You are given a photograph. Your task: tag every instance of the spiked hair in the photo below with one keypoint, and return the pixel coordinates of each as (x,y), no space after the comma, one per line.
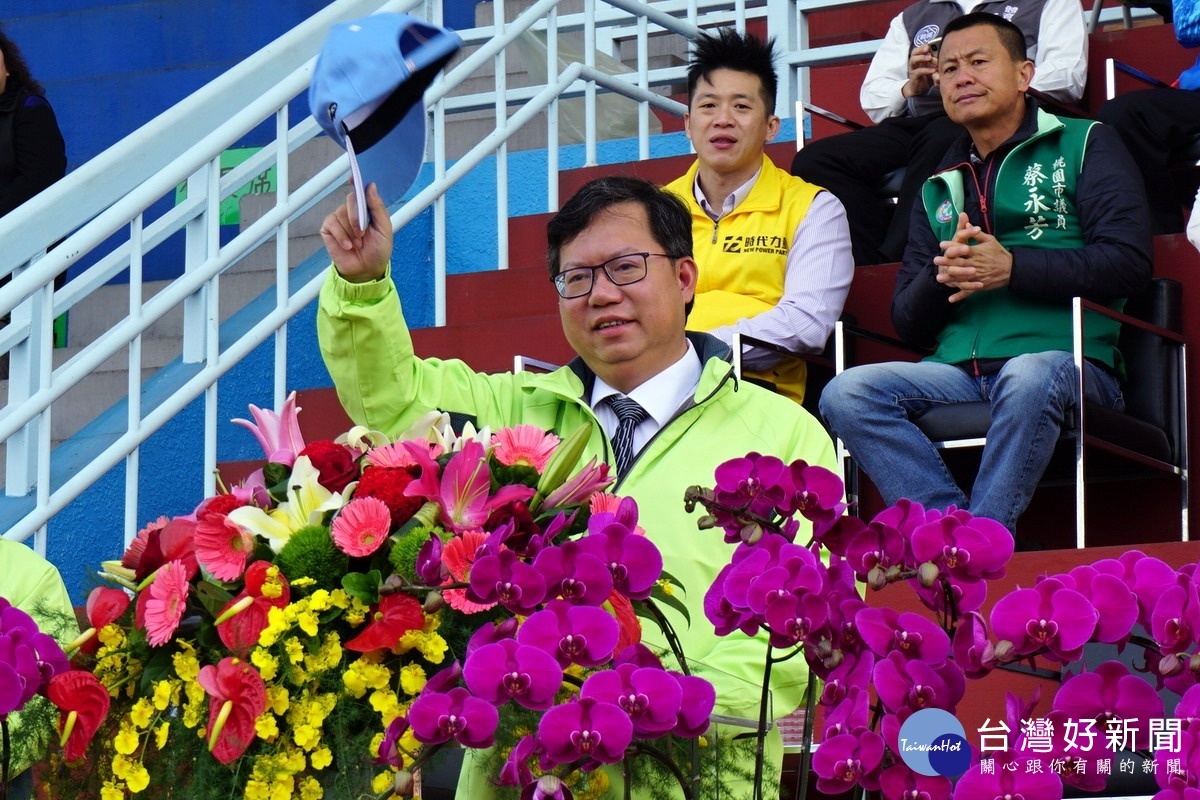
(728,49)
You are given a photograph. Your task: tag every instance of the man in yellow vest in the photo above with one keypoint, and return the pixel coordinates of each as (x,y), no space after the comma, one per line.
(774,250)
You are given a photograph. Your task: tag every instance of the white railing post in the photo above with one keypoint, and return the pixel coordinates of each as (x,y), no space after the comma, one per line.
(24,379)
(196,252)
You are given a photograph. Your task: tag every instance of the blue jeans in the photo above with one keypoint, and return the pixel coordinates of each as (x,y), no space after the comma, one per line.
(867,407)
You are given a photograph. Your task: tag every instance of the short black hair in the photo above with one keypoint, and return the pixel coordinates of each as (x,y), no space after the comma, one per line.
(728,49)
(670,221)
(1010,35)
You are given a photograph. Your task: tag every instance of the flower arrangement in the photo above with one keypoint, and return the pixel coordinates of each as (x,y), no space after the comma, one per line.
(883,669)
(324,628)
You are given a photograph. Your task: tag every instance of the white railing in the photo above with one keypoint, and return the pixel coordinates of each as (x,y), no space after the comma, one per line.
(111,198)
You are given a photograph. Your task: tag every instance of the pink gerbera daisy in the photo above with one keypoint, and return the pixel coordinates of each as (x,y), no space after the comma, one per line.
(458,555)
(162,603)
(524,444)
(362,526)
(222,547)
(402,454)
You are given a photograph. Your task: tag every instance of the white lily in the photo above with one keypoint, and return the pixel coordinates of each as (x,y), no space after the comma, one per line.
(362,438)
(308,502)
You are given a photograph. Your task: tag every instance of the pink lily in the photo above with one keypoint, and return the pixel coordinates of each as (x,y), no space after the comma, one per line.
(463,490)
(579,487)
(278,434)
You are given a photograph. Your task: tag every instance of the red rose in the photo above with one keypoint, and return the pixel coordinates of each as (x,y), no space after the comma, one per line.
(336,464)
(220,505)
(387,484)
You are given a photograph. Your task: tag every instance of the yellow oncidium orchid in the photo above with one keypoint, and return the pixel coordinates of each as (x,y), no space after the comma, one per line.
(308,502)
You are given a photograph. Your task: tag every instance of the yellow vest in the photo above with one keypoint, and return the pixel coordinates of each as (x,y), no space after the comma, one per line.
(743,257)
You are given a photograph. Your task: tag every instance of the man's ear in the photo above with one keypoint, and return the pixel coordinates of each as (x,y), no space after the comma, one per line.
(772,127)
(687,128)
(687,273)
(1027,70)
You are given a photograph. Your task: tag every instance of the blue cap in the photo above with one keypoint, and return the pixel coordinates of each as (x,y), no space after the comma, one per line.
(367,91)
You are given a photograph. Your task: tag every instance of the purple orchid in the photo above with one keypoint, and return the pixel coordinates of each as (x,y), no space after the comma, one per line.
(1110,693)
(755,484)
(574,575)
(971,648)
(389,748)
(876,549)
(816,493)
(1015,781)
(724,617)
(505,579)
(651,697)
(965,596)
(1148,577)
(28,658)
(464,491)
(699,698)
(637,654)
(586,729)
(429,567)
(908,633)
(837,537)
(583,635)
(277,434)
(516,771)
(507,670)
(964,547)
(490,632)
(855,670)
(1175,621)
(796,571)
(851,715)
(913,685)
(443,680)
(633,560)
(1112,597)
(547,787)
(457,714)
(1050,616)
(792,619)
(1179,770)
(901,783)
(848,760)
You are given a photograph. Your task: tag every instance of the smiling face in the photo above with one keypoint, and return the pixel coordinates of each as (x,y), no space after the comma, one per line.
(982,85)
(626,334)
(728,123)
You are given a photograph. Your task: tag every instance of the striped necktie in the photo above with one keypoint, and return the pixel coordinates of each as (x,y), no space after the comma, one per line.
(629,416)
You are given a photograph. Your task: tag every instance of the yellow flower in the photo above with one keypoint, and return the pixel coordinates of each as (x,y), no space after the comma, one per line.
(121,766)
(276,625)
(308,622)
(160,735)
(111,635)
(412,678)
(321,758)
(409,743)
(310,789)
(319,600)
(430,645)
(306,736)
(384,700)
(294,761)
(598,784)
(125,742)
(339,599)
(266,727)
(382,782)
(138,778)
(294,650)
(256,790)
(667,587)
(267,664)
(272,585)
(141,712)
(110,792)
(277,696)
(282,790)
(356,685)
(162,695)
(187,666)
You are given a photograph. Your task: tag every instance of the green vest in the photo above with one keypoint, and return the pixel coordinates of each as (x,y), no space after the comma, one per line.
(1033,206)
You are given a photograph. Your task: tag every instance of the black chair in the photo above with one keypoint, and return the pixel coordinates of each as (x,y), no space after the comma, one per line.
(1152,430)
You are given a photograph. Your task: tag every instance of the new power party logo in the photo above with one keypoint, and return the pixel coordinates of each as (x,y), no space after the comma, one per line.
(933,742)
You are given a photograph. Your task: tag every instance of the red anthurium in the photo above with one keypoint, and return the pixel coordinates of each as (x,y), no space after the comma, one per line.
(105,606)
(238,696)
(83,701)
(396,615)
(245,616)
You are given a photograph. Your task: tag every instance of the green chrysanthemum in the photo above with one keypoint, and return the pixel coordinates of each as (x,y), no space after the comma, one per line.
(311,553)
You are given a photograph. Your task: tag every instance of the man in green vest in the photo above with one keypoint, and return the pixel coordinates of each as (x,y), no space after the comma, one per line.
(1027,211)
(774,250)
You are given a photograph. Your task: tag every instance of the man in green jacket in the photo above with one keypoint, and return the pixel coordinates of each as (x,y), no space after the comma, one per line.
(621,261)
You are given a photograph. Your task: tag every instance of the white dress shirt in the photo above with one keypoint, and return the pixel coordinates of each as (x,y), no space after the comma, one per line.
(661,396)
(1193,228)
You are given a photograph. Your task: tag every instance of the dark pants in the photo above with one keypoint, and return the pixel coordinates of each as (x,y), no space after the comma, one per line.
(1159,126)
(852,166)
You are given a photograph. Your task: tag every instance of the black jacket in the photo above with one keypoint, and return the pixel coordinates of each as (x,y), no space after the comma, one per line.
(32,152)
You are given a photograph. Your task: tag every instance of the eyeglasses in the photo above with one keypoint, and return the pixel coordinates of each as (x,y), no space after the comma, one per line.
(622,271)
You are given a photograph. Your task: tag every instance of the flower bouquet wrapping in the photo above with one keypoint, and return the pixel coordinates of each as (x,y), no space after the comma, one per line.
(322,629)
(1116,633)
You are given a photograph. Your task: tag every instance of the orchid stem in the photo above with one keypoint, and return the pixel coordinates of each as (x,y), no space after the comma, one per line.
(669,631)
(810,713)
(4,758)
(760,736)
(669,763)
(628,779)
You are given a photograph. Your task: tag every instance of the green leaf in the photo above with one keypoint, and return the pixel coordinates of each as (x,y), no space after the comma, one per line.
(660,596)
(364,587)
(212,597)
(276,476)
(666,576)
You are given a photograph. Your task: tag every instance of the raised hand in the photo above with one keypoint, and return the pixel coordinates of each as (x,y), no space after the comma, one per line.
(359,255)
